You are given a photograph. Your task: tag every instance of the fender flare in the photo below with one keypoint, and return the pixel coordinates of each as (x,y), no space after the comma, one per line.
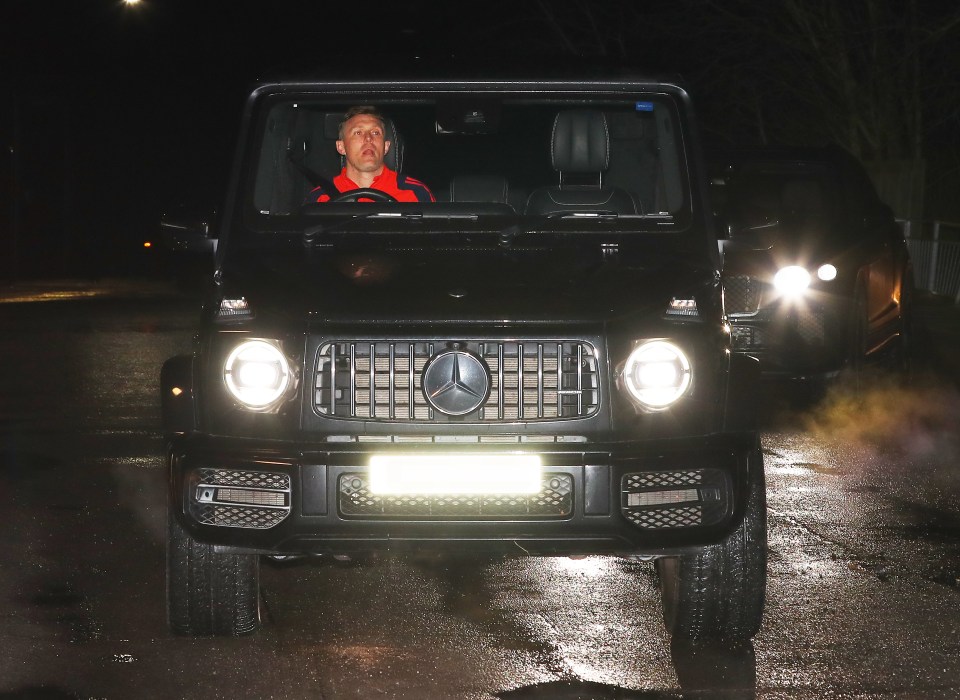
(743,391)
(177,396)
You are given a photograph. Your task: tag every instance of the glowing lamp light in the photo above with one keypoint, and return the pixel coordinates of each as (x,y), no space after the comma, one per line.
(454,474)
(257,374)
(792,280)
(827,272)
(657,374)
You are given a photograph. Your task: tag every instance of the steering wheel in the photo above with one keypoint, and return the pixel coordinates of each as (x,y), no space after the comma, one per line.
(364,193)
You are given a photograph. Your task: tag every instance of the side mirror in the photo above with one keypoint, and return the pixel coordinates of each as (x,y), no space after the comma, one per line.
(186,247)
(721,224)
(188,232)
(737,235)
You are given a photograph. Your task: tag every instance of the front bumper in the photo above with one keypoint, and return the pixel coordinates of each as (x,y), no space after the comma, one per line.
(640,498)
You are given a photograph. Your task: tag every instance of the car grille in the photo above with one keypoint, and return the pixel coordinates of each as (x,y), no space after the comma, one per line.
(674,499)
(811,327)
(530,380)
(555,499)
(789,333)
(229,498)
(742,294)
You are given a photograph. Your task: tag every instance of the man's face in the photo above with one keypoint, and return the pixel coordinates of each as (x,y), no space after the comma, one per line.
(363,143)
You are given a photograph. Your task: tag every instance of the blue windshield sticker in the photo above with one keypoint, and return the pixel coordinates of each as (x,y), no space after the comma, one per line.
(644,106)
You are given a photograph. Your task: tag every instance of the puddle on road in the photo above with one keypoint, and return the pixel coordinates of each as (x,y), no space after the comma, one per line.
(879,569)
(68,609)
(946,577)
(22,464)
(57,596)
(930,524)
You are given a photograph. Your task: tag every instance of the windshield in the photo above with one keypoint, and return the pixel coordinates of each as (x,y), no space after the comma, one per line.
(790,195)
(486,162)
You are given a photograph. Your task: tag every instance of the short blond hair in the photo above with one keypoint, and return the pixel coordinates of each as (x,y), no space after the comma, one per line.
(356,112)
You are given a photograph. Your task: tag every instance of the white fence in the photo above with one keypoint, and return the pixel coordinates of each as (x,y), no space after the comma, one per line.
(935,251)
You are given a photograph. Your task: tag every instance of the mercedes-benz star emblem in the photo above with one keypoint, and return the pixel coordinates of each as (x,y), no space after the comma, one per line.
(456,382)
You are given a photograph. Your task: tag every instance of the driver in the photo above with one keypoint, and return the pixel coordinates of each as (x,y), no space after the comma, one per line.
(363,145)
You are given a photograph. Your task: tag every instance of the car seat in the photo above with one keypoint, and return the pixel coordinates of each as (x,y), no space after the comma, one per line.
(580,154)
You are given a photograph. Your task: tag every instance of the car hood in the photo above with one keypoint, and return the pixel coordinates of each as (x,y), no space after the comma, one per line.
(464,284)
(785,245)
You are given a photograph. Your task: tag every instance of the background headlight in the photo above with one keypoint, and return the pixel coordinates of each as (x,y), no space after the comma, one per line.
(791,280)
(656,374)
(827,272)
(257,374)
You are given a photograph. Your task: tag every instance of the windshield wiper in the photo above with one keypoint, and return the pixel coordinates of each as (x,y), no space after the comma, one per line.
(516,229)
(510,232)
(314,234)
(592,215)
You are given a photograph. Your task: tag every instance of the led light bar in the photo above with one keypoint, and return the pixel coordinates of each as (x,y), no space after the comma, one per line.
(454,474)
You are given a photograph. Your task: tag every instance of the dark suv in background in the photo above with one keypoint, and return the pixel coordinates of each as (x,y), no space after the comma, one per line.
(537,363)
(816,270)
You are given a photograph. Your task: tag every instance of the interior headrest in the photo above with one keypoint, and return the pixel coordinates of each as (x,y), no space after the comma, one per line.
(331,125)
(581,142)
(394,157)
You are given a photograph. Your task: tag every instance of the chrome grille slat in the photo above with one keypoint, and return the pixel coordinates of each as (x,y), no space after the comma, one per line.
(372,380)
(559,378)
(500,394)
(579,378)
(353,380)
(520,382)
(410,364)
(529,380)
(539,381)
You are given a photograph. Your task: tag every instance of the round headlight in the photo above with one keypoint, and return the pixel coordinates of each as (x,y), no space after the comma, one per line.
(827,272)
(656,374)
(791,280)
(257,374)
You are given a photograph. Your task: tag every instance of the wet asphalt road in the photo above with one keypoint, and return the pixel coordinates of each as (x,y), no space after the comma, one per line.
(863,598)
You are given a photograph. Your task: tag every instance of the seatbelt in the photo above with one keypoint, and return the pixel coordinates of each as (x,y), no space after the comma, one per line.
(313,177)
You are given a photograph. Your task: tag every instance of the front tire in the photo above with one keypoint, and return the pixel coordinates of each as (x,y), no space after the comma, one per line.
(210,594)
(717,593)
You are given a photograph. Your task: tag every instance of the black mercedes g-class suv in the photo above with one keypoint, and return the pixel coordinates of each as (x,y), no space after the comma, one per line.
(538,362)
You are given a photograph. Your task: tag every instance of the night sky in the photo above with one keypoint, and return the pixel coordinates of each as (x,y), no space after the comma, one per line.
(113,114)
(118,113)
